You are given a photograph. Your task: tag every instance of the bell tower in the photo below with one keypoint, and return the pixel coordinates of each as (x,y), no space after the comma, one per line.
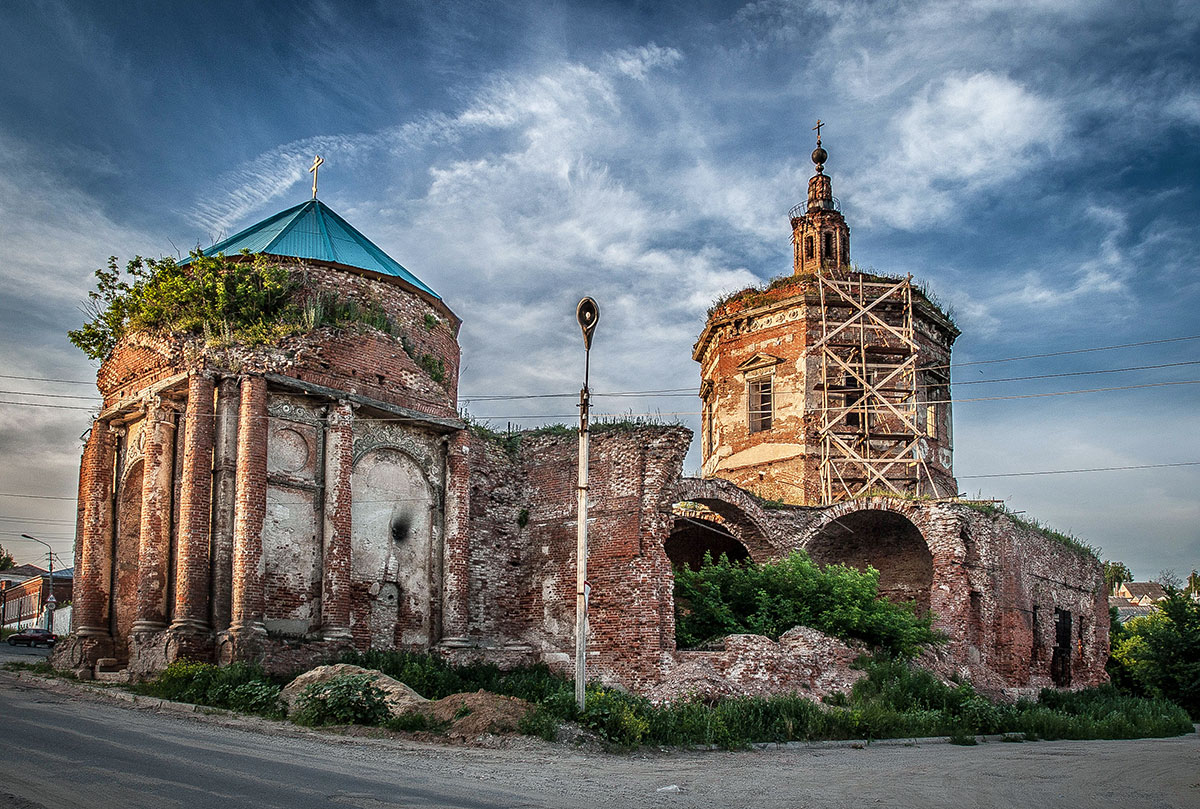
(820,236)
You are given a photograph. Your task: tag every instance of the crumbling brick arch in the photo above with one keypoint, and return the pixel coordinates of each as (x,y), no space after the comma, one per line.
(743,516)
(887,534)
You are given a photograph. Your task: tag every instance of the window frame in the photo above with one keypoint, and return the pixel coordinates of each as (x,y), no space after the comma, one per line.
(760,419)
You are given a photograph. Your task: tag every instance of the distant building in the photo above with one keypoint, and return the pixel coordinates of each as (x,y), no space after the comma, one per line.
(1142,593)
(23,604)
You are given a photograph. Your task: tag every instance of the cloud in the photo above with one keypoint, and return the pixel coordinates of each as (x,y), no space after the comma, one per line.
(956,137)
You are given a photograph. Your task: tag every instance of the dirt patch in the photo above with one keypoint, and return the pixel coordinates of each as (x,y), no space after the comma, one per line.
(471,715)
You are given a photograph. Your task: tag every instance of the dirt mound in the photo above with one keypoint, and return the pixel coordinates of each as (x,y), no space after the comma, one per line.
(398,696)
(472,715)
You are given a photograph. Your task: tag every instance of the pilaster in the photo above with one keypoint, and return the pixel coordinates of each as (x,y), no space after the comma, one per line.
(195,509)
(93,573)
(224,489)
(335,579)
(250,508)
(456,547)
(155,536)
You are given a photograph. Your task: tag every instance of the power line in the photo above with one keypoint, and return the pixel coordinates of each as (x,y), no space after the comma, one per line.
(46,395)
(4,518)
(47,406)
(1076,471)
(696,412)
(37,496)
(44,379)
(689,392)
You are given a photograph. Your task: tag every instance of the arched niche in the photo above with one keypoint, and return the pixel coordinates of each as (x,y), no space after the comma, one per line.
(884,540)
(391,549)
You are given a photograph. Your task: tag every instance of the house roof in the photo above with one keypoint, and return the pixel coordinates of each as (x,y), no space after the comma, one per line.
(1138,589)
(312,230)
(22,572)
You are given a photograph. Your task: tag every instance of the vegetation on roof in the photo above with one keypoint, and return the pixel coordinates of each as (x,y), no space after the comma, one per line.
(245,300)
(783,286)
(994,508)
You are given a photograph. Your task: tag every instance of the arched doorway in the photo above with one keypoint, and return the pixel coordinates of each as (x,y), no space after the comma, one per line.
(391,543)
(126,552)
(886,541)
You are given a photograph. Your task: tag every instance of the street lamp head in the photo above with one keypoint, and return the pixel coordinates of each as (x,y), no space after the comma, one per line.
(587,312)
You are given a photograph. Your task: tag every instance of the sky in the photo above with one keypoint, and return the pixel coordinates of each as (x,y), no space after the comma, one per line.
(1035,164)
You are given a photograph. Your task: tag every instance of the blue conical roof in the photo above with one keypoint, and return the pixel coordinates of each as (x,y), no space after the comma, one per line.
(312,230)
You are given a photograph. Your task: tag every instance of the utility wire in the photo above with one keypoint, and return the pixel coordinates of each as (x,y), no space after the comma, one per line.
(958,477)
(44,379)
(1076,471)
(46,395)
(696,412)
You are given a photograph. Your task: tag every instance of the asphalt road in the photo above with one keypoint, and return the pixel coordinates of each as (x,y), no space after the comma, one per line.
(61,752)
(24,654)
(59,748)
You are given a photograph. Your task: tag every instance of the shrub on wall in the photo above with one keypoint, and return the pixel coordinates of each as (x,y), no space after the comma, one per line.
(769,598)
(248,300)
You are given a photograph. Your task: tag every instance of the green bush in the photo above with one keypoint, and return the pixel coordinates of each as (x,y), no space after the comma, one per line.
(617,716)
(434,678)
(410,722)
(247,300)
(769,598)
(539,722)
(238,687)
(352,699)
(1158,655)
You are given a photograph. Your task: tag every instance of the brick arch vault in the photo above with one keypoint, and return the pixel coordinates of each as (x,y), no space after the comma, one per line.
(918,558)
(746,521)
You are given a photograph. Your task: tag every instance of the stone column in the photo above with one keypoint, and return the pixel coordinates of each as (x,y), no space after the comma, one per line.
(456,549)
(154,552)
(195,509)
(335,578)
(250,510)
(223,495)
(93,578)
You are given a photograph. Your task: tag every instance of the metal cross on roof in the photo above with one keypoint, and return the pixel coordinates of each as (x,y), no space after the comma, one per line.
(820,124)
(318,160)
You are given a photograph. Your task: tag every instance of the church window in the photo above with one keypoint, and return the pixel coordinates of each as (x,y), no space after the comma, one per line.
(845,249)
(931,419)
(808,246)
(827,251)
(761,404)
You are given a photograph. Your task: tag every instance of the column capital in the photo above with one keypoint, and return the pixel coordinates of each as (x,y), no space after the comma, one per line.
(341,414)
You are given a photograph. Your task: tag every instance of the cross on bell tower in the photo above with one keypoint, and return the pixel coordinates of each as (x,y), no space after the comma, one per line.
(820,236)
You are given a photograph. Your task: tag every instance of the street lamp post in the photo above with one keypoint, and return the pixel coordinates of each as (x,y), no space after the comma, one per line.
(51,601)
(588,315)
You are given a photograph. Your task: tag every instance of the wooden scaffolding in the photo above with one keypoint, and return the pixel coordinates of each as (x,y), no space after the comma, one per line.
(868,425)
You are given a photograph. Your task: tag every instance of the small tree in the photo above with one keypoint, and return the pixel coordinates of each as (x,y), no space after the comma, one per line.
(1116,574)
(1169,579)
(1159,654)
(6,559)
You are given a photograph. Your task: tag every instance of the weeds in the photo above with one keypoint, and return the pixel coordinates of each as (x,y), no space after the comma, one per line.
(352,699)
(239,687)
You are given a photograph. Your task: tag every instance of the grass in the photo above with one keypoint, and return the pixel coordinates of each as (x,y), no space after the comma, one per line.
(993,508)
(893,700)
(510,441)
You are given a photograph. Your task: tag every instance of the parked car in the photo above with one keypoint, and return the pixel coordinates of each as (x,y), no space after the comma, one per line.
(33,637)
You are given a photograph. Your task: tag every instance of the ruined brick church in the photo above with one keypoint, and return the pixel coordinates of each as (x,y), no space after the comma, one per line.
(282,504)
